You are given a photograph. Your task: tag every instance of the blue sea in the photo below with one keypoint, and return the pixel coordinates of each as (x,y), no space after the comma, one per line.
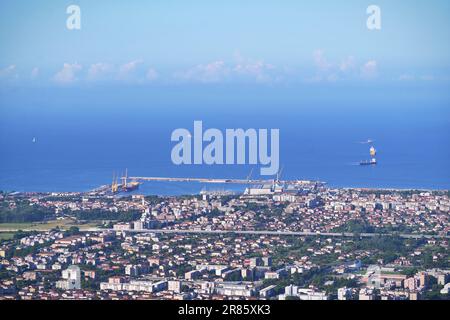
(84,134)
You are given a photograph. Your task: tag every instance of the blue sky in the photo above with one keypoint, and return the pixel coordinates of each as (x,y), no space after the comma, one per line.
(144,42)
(139,69)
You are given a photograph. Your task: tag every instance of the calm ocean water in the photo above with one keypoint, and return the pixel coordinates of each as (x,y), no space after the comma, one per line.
(83,135)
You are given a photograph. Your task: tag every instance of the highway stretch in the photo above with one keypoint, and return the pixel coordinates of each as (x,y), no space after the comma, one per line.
(276,233)
(253,232)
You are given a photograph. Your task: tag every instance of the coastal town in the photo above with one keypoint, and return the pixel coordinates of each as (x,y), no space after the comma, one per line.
(283,242)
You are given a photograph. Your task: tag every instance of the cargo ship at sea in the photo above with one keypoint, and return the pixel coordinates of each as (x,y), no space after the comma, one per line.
(372,161)
(130,186)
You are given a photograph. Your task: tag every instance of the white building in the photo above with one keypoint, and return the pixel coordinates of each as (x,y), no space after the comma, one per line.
(366,294)
(175,286)
(138,225)
(234,289)
(132,270)
(303,294)
(344,293)
(192,275)
(291,291)
(275,274)
(137,286)
(446,289)
(267,292)
(264,190)
(309,294)
(71,279)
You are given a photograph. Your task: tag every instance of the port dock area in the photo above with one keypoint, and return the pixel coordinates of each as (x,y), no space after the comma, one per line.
(135,181)
(103,188)
(203,180)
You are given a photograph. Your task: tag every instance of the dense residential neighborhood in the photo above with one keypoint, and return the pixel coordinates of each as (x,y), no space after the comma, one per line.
(302,243)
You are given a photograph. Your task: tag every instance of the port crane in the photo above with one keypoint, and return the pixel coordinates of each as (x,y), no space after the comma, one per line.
(124,185)
(277,180)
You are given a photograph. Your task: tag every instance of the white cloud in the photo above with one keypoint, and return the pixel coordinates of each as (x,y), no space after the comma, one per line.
(9,72)
(328,71)
(152,74)
(257,70)
(369,70)
(207,73)
(320,61)
(99,71)
(34,73)
(127,69)
(219,71)
(347,69)
(348,64)
(67,74)
(325,70)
